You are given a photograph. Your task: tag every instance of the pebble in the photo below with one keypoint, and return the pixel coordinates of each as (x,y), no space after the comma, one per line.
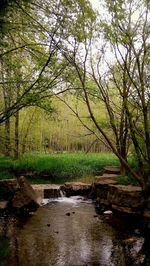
(68,213)
(107,212)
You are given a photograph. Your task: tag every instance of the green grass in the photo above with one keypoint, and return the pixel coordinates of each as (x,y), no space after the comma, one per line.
(5,163)
(6,175)
(59,168)
(127,180)
(6,168)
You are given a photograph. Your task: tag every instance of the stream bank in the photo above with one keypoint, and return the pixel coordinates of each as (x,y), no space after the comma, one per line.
(117,237)
(18,194)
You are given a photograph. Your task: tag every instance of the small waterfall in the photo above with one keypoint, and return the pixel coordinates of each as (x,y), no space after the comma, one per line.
(52,193)
(62,193)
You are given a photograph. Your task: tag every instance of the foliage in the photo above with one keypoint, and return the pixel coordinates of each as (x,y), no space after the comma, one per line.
(65,166)
(6,163)
(60,130)
(124,33)
(7,174)
(32,61)
(61,167)
(58,46)
(6,168)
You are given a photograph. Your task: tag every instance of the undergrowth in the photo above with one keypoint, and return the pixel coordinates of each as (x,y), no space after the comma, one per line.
(58,167)
(127,180)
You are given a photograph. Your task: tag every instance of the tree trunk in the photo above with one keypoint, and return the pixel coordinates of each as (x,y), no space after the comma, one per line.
(16,149)
(7,138)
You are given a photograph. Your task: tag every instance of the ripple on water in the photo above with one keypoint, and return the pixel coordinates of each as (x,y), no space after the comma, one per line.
(64,232)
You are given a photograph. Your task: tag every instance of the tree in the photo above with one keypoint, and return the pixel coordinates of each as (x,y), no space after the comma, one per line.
(31,57)
(129,37)
(126,32)
(24,74)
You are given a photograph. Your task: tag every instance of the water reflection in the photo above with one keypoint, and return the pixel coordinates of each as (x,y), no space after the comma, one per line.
(62,233)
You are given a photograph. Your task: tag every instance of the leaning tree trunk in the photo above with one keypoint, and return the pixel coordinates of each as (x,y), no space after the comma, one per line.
(16,148)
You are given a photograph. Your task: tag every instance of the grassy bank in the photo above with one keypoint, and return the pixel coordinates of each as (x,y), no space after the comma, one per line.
(58,168)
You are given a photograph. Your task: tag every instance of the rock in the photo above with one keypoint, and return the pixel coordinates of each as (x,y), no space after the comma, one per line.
(24,199)
(47,191)
(109,212)
(68,214)
(111,170)
(7,188)
(39,192)
(124,209)
(146,213)
(31,213)
(127,199)
(76,188)
(17,195)
(101,188)
(3,205)
(137,231)
(133,247)
(112,178)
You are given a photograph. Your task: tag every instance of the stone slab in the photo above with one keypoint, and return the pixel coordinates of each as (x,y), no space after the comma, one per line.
(76,188)
(111,170)
(47,191)
(127,199)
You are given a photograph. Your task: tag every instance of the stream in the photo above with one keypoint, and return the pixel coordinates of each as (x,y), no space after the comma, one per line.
(68,232)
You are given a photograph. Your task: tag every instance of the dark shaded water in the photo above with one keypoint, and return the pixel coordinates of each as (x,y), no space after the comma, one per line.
(65,232)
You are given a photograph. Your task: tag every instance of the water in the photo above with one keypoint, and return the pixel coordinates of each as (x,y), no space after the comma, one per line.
(64,232)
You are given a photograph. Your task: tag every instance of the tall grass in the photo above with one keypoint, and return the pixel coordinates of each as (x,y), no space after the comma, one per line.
(60,167)
(6,168)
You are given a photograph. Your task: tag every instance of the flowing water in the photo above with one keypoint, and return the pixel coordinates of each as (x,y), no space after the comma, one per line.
(63,232)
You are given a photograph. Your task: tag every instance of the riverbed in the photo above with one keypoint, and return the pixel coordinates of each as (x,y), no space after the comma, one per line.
(68,232)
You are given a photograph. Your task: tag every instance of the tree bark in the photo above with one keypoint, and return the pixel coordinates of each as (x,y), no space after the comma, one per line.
(16,149)
(7,138)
